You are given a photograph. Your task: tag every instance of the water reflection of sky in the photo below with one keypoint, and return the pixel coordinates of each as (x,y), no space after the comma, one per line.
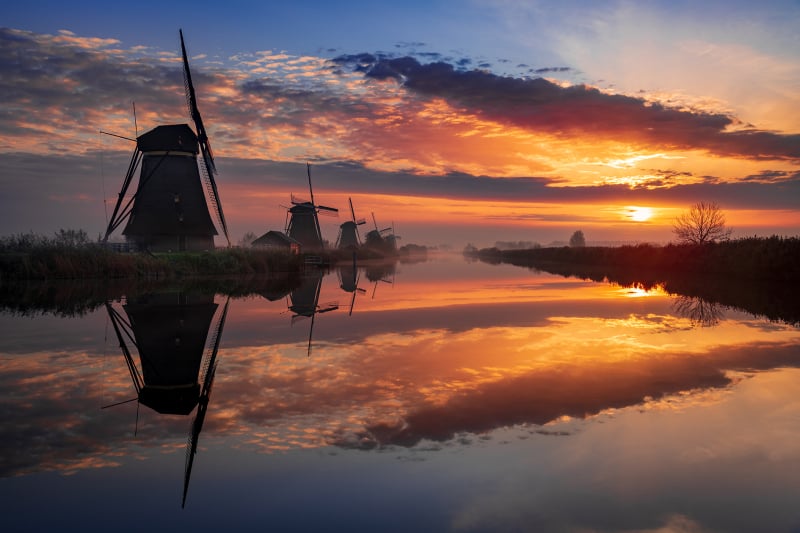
(483,397)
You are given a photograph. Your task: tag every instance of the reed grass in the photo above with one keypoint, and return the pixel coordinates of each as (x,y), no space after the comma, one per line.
(30,256)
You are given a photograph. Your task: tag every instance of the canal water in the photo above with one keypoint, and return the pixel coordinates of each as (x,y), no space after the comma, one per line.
(442,395)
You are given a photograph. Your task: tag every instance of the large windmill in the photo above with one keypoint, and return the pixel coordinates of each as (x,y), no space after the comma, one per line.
(348,231)
(302,221)
(169,210)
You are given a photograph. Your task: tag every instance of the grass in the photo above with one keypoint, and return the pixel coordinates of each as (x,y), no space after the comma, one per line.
(32,257)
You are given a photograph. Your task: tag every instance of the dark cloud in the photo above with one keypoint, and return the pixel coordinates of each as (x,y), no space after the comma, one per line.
(410,44)
(70,84)
(547,70)
(353,176)
(540,105)
(773,176)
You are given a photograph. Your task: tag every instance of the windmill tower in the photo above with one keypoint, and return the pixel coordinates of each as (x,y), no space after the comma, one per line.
(302,221)
(348,231)
(169,210)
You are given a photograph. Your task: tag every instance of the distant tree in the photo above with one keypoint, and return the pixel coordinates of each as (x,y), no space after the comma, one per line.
(247,239)
(71,238)
(704,222)
(577,239)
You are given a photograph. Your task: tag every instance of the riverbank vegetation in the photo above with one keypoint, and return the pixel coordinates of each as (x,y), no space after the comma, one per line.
(69,254)
(754,258)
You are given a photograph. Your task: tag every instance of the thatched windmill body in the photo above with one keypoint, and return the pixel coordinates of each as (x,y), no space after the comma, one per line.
(170,210)
(302,220)
(348,231)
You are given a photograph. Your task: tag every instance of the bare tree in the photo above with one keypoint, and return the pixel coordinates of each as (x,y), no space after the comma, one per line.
(700,312)
(247,240)
(577,239)
(704,222)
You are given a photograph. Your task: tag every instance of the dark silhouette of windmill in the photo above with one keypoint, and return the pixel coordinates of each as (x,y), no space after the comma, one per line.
(391,237)
(380,240)
(348,231)
(380,272)
(177,366)
(169,210)
(304,302)
(349,275)
(302,221)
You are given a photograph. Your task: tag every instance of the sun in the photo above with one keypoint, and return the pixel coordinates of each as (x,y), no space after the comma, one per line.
(638,214)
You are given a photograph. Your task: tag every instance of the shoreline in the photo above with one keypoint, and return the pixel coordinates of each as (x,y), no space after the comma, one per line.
(774,259)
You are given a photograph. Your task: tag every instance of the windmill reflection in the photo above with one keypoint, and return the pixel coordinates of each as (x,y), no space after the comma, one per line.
(349,276)
(380,272)
(700,312)
(304,301)
(168,330)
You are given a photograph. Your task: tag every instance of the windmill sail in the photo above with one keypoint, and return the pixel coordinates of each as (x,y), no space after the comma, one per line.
(202,138)
(202,403)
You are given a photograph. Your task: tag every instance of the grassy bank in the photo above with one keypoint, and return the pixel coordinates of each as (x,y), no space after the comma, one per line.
(49,262)
(69,254)
(762,259)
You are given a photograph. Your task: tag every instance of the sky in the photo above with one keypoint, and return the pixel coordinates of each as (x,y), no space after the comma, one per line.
(456,122)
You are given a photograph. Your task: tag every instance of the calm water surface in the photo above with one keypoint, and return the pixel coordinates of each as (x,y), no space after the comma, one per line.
(441,396)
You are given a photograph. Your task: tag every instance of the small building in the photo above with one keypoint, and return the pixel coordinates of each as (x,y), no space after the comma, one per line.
(276,240)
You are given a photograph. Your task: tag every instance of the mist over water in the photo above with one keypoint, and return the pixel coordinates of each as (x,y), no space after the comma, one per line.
(483,397)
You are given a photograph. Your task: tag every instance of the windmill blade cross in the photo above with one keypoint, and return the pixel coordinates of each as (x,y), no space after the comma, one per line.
(327,211)
(194,112)
(352,211)
(310,189)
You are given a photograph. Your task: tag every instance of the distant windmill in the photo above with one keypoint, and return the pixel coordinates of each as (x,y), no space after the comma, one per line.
(348,231)
(302,221)
(169,211)
(376,239)
(390,237)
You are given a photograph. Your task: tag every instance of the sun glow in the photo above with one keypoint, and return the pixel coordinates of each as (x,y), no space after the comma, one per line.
(638,214)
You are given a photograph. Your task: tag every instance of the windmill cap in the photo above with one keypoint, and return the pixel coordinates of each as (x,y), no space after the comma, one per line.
(173,138)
